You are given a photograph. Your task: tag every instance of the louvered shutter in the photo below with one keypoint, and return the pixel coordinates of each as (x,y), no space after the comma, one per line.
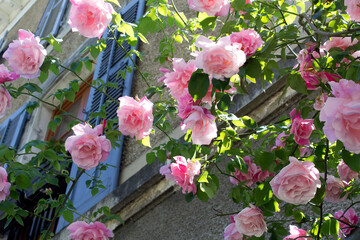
(52,18)
(110,62)
(12,128)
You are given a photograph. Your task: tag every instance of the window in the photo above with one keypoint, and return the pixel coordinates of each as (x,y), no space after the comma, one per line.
(12,128)
(109,63)
(53,18)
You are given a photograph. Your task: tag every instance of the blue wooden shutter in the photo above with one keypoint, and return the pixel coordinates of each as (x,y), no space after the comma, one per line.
(110,62)
(12,128)
(52,18)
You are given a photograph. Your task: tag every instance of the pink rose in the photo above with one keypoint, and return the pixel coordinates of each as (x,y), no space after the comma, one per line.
(302,129)
(334,187)
(304,152)
(320,101)
(231,233)
(254,174)
(5,101)
(185,105)
(182,172)
(280,140)
(339,42)
(297,233)
(4,184)
(202,125)
(346,173)
(6,75)
(347,220)
(81,230)
(250,221)
(87,148)
(249,39)
(222,59)
(297,182)
(26,55)
(211,7)
(165,170)
(353,9)
(341,114)
(90,17)
(135,118)
(177,81)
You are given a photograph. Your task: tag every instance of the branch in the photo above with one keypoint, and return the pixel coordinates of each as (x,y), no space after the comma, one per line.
(326,34)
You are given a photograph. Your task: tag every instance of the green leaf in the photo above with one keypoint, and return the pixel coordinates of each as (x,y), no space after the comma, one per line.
(68,215)
(298,215)
(203,177)
(161,154)
(50,154)
(297,83)
(126,28)
(330,226)
(266,161)
(22,181)
(352,160)
(178,20)
(143,38)
(198,85)
(224,103)
(94,191)
(208,23)
(253,68)
(19,220)
(249,122)
(263,194)
(150,157)
(55,43)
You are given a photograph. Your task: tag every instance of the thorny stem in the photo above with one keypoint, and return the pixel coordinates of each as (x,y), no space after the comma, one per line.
(325,178)
(326,34)
(50,104)
(177,12)
(60,208)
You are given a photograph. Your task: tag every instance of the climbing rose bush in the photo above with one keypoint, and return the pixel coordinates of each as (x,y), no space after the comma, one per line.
(250,221)
(88,147)
(25,55)
(341,115)
(5,101)
(90,17)
(249,39)
(297,182)
(4,184)
(135,117)
(81,230)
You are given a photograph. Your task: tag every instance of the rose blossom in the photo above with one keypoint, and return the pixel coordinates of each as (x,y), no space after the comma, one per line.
(4,184)
(26,55)
(342,114)
(135,118)
(254,174)
(182,172)
(230,232)
(221,59)
(87,148)
(5,101)
(81,230)
(185,105)
(297,182)
(6,75)
(202,125)
(347,219)
(334,187)
(302,129)
(353,9)
(297,233)
(249,39)
(346,173)
(177,81)
(320,101)
(250,221)
(90,17)
(211,7)
(339,42)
